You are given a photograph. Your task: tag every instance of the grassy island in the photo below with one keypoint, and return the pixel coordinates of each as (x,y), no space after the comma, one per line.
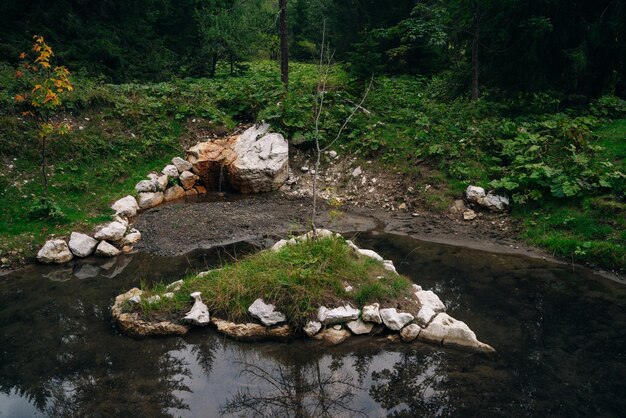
(297,279)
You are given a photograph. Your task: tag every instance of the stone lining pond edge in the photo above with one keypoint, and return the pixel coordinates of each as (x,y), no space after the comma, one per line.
(333,325)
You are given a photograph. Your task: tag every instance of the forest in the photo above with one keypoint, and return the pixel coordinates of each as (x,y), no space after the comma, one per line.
(524,97)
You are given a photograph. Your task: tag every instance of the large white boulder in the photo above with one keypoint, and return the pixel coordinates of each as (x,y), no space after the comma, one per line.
(131,238)
(494,202)
(55,251)
(147,186)
(395,320)
(337,315)
(410,333)
(82,245)
(312,327)
(114,231)
(171,171)
(126,206)
(430,299)
(262,162)
(448,331)
(266,313)
(371,254)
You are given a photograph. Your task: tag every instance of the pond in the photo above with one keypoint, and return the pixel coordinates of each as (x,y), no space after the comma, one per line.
(560,336)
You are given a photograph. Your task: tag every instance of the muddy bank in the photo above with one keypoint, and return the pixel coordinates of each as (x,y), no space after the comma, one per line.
(203,222)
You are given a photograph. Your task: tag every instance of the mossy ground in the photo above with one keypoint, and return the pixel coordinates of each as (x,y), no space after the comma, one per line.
(298,279)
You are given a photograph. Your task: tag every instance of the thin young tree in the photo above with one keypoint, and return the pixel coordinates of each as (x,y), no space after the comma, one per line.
(325,65)
(284,43)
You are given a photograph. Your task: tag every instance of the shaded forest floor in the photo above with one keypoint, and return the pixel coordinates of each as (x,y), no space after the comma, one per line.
(560,166)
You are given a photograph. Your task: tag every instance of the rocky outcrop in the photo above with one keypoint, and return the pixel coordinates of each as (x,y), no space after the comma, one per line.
(82,245)
(255,161)
(54,251)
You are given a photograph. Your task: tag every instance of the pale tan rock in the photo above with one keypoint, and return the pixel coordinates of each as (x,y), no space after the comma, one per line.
(200,189)
(55,251)
(188,179)
(173,193)
(252,332)
(150,200)
(191,192)
(332,336)
(132,325)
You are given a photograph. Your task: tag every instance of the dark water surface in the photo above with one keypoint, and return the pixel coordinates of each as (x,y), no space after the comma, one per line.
(560,336)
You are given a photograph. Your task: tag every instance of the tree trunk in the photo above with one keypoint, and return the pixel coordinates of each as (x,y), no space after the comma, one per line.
(475,61)
(284,45)
(213,68)
(43,167)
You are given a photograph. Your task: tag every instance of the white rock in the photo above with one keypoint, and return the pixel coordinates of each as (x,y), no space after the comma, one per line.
(150,200)
(114,231)
(135,299)
(371,313)
(126,206)
(181,165)
(474,193)
(430,299)
(359,327)
(262,163)
(395,320)
(171,171)
(175,286)
(348,288)
(82,245)
(425,315)
(146,186)
(337,315)
(357,172)
(54,251)
(266,313)
(168,295)
(494,202)
(188,179)
(388,265)
(332,154)
(370,254)
(173,193)
(199,313)
(120,219)
(312,327)
(163,181)
(131,238)
(416,287)
(448,331)
(410,333)
(154,299)
(106,250)
(352,245)
(304,169)
(279,245)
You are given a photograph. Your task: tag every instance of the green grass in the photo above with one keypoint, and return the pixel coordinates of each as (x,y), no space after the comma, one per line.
(297,279)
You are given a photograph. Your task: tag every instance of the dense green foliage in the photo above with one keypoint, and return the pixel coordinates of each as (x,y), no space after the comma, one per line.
(298,279)
(575,48)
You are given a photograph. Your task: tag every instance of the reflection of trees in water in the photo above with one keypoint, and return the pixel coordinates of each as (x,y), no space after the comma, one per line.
(412,387)
(292,388)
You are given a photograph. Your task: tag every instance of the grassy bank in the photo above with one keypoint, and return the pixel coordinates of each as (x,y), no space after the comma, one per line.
(297,280)
(562,166)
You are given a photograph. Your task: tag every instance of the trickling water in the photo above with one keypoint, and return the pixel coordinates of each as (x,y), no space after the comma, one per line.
(560,337)
(219,186)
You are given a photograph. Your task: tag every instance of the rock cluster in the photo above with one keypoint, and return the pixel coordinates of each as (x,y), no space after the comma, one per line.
(255,161)
(427,322)
(490,200)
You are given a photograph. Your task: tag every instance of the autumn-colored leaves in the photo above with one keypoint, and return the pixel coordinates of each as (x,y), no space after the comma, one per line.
(43,83)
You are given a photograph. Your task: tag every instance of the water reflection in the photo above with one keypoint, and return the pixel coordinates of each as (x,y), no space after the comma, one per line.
(560,338)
